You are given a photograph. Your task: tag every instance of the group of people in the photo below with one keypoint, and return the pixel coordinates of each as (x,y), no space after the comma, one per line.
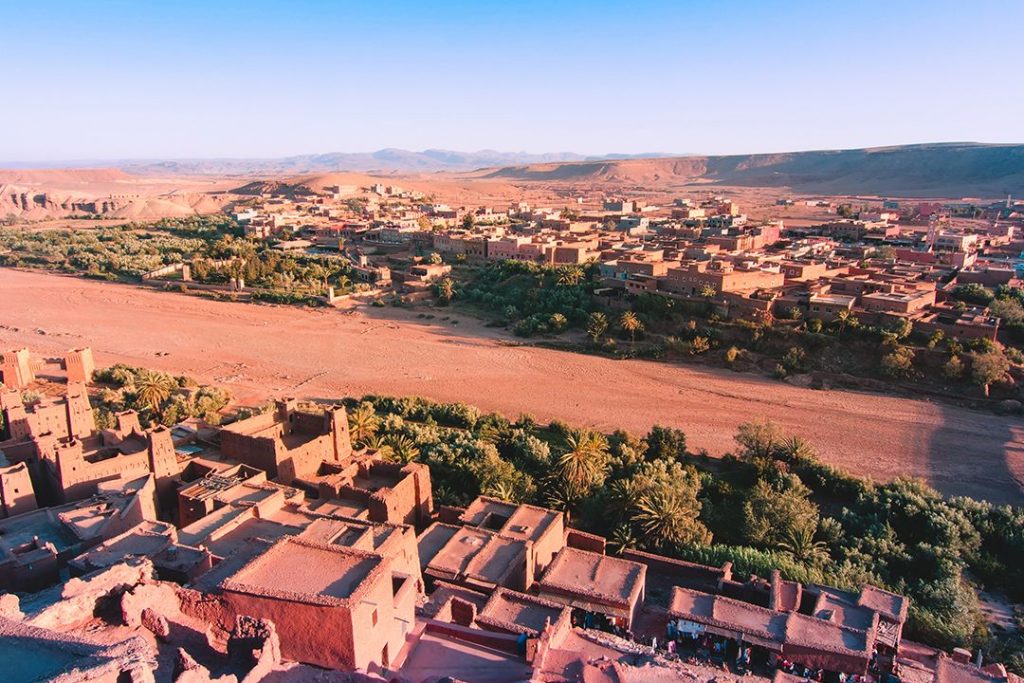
(704,648)
(808,674)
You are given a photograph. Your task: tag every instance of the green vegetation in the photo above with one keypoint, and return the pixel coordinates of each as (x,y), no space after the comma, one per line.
(538,300)
(213,245)
(527,295)
(121,252)
(773,504)
(156,396)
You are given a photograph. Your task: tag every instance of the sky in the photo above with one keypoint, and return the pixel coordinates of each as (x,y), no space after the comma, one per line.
(208,79)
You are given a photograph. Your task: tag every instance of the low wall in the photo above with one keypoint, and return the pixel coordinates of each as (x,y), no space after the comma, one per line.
(495,641)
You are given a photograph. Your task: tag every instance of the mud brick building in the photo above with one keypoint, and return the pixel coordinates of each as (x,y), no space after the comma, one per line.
(375,490)
(333,606)
(16,492)
(79,365)
(16,370)
(289,443)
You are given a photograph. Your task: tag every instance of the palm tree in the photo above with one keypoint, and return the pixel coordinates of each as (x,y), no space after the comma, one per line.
(380,445)
(667,519)
(708,291)
(622,539)
(562,496)
(492,433)
(445,289)
(569,275)
(153,388)
(317,275)
(629,322)
(624,495)
(502,490)
(845,319)
(363,422)
(796,448)
(799,542)
(585,463)
(403,449)
(597,325)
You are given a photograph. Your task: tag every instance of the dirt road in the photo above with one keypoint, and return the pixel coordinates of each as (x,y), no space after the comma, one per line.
(263,351)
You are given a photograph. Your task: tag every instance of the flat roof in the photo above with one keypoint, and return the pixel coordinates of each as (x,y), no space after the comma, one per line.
(832,299)
(518,612)
(434,657)
(350,533)
(432,540)
(144,540)
(470,553)
(21,529)
(890,605)
(761,623)
(199,531)
(595,576)
(223,545)
(770,626)
(303,571)
(527,522)
(344,507)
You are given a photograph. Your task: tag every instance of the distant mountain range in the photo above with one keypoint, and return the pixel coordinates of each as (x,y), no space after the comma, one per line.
(928,170)
(383,161)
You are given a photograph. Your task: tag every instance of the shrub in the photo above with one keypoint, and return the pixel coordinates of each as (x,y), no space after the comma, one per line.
(900,363)
(699,345)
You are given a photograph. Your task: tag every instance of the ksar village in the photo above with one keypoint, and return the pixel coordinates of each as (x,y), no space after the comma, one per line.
(746,407)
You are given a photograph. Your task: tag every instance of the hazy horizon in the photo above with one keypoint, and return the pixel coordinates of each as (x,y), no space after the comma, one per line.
(15,164)
(122,81)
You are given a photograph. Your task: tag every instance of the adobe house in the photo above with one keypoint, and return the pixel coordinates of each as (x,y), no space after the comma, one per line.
(78,465)
(34,430)
(395,541)
(79,365)
(16,369)
(16,492)
(818,642)
(376,490)
(511,612)
(289,443)
(66,456)
(60,417)
(333,606)
(143,540)
(478,559)
(544,529)
(36,545)
(212,489)
(595,583)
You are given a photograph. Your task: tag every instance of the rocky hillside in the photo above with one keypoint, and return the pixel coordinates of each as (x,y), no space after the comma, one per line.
(938,170)
(38,194)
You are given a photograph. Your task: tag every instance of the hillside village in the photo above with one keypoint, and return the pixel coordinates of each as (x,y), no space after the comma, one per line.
(924,293)
(881,262)
(275,546)
(884,265)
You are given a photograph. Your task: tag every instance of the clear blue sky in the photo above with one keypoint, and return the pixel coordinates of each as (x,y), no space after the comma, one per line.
(141,79)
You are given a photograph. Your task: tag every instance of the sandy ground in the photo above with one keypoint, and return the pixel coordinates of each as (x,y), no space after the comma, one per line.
(266,351)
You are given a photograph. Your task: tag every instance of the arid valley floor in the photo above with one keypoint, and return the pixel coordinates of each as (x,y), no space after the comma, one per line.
(260,352)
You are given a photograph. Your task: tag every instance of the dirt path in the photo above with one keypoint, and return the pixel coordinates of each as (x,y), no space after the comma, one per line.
(263,351)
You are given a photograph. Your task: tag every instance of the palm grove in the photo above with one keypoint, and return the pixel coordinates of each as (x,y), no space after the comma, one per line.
(532,299)
(771,504)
